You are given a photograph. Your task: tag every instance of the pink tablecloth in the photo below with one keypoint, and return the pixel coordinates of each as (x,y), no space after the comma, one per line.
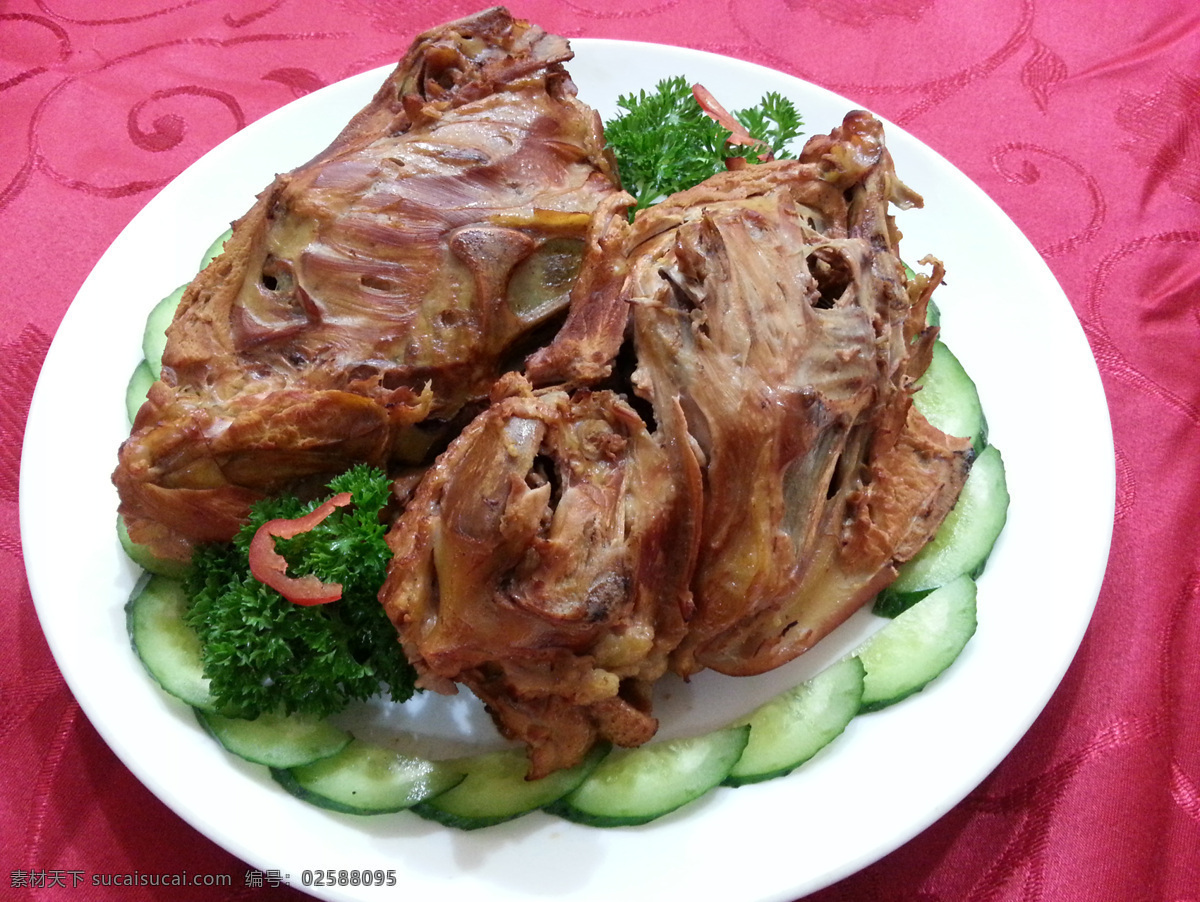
(1081,119)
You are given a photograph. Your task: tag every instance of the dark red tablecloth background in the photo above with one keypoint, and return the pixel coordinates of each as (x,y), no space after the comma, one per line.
(1081,119)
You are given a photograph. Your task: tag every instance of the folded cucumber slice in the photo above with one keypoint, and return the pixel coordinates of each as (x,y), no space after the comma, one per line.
(949,400)
(495,790)
(154,336)
(214,249)
(368,779)
(146,559)
(635,786)
(963,542)
(139,386)
(795,725)
(168,648)
(912,650)
(276,740)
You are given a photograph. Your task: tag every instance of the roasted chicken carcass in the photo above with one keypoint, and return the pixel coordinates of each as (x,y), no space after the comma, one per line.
(643,448)
(368,301)
(772,303)
(759,480)
(544,563)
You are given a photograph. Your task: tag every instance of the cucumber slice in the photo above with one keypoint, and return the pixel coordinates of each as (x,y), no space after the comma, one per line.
(146,559)
(635,786)
(908,653)
(214,249)
(276,740)
(495,790)
(964,541)
(168,648)
(368,779)
(139,386)
(792,727)
(949,399)
(154,337)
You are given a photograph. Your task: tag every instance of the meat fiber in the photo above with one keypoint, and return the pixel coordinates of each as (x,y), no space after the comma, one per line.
(772,303)
(365,305)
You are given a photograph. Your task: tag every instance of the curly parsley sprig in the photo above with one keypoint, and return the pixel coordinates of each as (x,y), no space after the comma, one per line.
(263,653)
(665,142)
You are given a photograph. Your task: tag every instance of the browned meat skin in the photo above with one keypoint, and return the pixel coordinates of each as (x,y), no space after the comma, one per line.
(374,294)
(544,563)
(584,350)
(771,302)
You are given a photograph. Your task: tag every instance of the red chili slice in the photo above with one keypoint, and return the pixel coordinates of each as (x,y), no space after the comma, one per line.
(737,132)
(269,567)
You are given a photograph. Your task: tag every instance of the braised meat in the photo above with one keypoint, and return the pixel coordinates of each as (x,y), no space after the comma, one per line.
(772,303)
(761,478)
(680,443)
(366,304)
(544,563)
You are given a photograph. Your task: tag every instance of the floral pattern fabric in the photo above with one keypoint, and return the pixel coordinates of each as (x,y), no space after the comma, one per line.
(1082,120)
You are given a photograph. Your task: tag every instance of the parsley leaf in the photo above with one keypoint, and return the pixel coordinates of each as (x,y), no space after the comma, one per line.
(664,141)
(264,654)
(775,122)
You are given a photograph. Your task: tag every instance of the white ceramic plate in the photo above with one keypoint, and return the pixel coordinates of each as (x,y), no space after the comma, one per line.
(892,773)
